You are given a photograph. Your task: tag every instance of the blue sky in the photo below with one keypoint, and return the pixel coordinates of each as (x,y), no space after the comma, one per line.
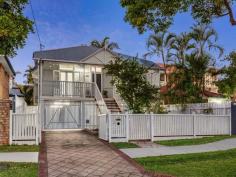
(64,23)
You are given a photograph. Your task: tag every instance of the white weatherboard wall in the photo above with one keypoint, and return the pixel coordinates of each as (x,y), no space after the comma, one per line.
(125,127)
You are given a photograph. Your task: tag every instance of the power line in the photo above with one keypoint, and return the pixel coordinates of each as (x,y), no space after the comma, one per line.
(41,46)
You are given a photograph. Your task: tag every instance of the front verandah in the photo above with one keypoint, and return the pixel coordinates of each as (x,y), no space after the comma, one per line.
(71,79)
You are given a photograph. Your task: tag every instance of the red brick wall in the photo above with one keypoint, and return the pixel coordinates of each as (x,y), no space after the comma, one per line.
(4,121)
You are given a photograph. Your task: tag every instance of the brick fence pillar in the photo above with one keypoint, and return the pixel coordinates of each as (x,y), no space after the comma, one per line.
(4,121)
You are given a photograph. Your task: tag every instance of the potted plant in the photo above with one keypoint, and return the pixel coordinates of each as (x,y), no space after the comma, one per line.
(105,93)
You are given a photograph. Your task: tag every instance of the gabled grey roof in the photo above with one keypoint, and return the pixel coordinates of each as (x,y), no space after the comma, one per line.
(75,54)
(66,54)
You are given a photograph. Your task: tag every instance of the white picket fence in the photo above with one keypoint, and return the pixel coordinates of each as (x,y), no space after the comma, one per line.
(103,126)
(24,128)
(125,127)
(200,108)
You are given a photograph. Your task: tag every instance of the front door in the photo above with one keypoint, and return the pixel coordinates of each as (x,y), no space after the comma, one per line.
(97,78)
(66,79)
(99,81)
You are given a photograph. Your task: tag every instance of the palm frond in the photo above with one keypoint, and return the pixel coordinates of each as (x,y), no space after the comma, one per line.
(113,45)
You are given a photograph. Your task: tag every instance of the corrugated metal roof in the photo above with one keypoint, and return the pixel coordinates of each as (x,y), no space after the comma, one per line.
(75,54)
(66,54)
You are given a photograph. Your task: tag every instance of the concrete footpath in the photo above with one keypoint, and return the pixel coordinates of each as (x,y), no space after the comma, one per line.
(171,150)
(19,157)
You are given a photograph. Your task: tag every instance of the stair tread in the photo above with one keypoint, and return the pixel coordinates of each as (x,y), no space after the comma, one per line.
(112,105)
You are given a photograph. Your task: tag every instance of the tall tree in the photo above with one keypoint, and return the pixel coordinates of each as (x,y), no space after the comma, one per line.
(179,47)
(28,88)
(129,77)
(191,55)
(105,43)
(205,38)
(186,82)
(159,44)
(159,15)
(227,82)
(14,26)
(28,92)
(29,74)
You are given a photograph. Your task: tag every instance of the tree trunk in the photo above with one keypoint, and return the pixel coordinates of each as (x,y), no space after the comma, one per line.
(164,63)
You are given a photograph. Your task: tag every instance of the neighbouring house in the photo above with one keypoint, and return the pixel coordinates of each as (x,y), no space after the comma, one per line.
(211,90)
(71,85)
(18,100)
(6,73)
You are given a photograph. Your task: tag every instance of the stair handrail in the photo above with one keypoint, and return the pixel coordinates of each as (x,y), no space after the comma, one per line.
(100,101)
(120,102)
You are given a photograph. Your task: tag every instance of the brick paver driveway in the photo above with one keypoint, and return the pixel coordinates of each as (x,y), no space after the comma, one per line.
(73,154)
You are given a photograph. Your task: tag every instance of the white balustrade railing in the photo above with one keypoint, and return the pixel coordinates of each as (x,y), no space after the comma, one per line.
(121,103)
(67,88)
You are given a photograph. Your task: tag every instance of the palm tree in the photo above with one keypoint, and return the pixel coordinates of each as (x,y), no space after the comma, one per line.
(28,89)
(29,74)
(105,44)
(180,47)
(158,44)
(205,38)
(28,92)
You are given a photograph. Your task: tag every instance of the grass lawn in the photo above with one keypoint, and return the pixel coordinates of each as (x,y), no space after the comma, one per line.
(194,141)
(18,169)
(19,148)
(123,145)
(210,164)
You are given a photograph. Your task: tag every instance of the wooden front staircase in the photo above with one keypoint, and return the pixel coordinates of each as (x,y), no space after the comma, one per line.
(112,105)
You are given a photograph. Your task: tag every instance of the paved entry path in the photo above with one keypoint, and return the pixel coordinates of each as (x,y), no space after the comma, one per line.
(168,150)
(77,154)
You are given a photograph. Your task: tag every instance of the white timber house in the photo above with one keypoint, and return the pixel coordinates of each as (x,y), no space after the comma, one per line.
(72,87)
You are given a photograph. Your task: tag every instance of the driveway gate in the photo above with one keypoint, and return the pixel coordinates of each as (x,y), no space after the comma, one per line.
(70,115)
